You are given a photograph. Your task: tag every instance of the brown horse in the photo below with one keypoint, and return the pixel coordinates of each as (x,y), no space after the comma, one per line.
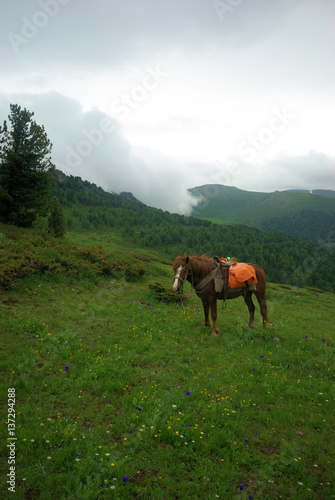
(197,270)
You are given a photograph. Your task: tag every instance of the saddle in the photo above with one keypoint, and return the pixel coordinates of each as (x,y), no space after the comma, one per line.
(232,275)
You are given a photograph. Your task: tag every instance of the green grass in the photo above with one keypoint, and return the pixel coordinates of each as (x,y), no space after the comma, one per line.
(79,432)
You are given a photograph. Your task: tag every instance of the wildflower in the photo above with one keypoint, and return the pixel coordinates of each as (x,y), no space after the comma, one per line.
(323,340)
(188,393)
(246,440)
(241,486)
(67,368)
(262,356)
(139,408)
(125,479)
(250,497)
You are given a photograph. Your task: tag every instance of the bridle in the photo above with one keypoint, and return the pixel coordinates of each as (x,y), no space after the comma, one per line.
(189,271)
(201,287)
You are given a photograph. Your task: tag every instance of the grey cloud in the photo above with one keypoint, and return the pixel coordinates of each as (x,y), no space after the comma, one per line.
(261,51)
(91,145)
(101,33)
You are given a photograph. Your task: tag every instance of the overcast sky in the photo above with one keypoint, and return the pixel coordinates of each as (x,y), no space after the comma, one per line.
(157,96)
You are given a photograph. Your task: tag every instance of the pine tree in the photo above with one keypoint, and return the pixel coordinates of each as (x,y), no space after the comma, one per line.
(25,168)
(57,221)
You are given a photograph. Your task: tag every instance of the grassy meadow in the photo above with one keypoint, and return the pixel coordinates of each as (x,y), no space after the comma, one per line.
(121,394)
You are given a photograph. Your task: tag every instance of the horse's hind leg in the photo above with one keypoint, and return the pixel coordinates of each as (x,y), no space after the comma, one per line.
(264,309)
(251,307)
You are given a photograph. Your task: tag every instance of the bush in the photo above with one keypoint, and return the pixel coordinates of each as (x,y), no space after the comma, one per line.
(163,291)
(23,256)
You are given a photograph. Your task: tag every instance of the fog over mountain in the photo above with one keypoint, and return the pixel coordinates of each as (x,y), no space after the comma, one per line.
(158,97)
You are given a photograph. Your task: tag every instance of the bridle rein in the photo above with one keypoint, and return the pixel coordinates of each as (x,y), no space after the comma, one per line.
(205,282)
(179,271)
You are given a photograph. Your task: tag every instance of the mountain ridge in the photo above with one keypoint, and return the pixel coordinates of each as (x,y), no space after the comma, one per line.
(310,216)
(122,223)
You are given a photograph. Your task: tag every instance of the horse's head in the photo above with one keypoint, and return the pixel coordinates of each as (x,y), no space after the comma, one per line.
(181,268)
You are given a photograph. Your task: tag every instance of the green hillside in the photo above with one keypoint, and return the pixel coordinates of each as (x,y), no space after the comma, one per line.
(308,216)
(95,216)
(106,374)
(114,392)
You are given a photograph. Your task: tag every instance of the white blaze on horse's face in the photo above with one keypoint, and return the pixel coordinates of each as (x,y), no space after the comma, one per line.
(176,279)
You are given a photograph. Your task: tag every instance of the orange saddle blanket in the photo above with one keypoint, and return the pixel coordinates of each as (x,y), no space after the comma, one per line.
(241,275)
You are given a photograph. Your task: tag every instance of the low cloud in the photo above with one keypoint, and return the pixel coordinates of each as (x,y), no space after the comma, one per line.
(92,145)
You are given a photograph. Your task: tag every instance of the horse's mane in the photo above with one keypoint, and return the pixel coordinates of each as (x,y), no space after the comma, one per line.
(201,264)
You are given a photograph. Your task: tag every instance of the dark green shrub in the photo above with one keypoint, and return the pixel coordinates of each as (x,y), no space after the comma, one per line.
(162,290)
(24,256)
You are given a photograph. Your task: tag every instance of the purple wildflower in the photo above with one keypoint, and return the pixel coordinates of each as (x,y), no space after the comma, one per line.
(250,497)
(67,368)
(323,340)
(125,479)
(246,440)
(241,486)
(139,408)
(188,393)
(262,356)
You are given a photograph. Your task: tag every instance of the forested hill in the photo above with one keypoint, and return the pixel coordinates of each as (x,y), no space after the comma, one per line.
(285,259)
(310,216)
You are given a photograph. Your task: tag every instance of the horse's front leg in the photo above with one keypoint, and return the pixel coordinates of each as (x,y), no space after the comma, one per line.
(212,302)
(206,312)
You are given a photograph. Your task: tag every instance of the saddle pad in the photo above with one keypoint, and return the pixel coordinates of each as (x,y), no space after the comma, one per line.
(240,275)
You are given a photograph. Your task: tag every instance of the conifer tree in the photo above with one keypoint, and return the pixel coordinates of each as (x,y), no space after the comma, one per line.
(25,168)
(57,221)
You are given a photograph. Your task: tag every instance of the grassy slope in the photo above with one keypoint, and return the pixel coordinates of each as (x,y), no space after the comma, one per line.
(79,433)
